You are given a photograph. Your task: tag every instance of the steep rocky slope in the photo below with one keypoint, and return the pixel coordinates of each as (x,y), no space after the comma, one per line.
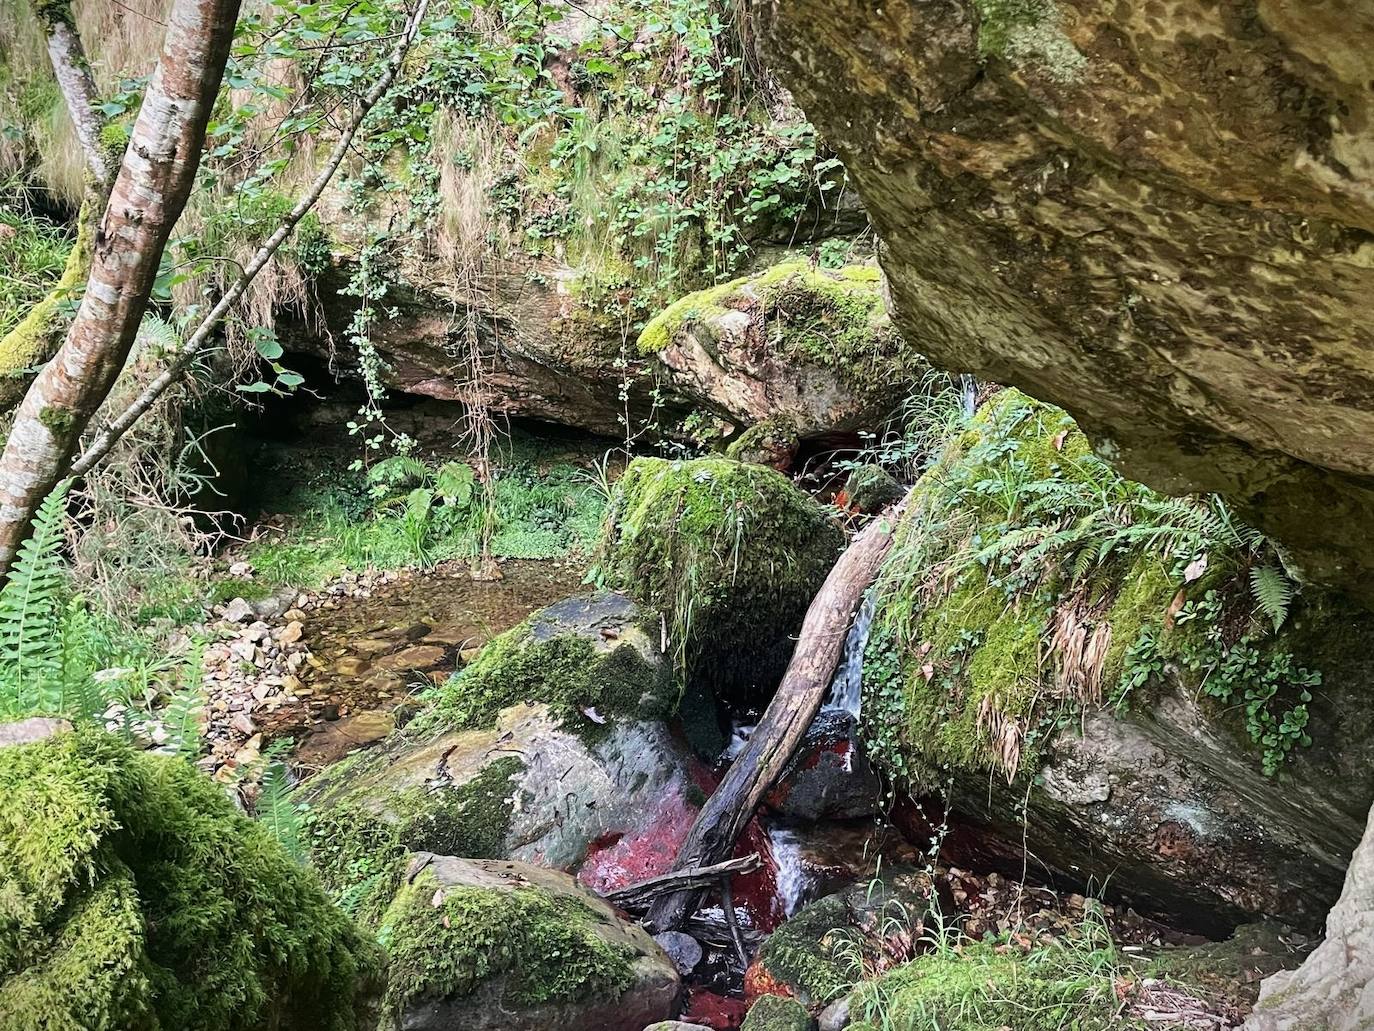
(1156,215)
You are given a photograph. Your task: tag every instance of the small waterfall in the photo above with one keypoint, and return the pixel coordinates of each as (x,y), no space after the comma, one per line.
(846,690)
(790,875)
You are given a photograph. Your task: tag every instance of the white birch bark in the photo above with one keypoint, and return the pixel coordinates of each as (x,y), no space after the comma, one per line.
(149,192)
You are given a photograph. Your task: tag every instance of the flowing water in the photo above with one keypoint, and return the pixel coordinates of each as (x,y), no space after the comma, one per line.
(846,690)
(791,876)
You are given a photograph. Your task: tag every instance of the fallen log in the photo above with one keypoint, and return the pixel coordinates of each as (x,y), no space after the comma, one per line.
(637,897)
(784,723)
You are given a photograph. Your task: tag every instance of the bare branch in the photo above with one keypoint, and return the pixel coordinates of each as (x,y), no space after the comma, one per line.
(192,346)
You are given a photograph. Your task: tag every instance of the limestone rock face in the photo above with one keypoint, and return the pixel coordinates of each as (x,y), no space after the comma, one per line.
(1157,216)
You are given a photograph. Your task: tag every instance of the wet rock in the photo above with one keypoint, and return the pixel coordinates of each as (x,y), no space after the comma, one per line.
(775,1013)
(676,1025)
(351,665)
(417,656)
(330,741)
(830,777)
(682,949)
(870,489)
(521,924)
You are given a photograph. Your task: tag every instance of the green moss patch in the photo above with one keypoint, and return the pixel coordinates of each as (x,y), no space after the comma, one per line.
(731,555)
(567,672)
(359,844)
(774,1013)
(133,894)
(1029,581)
(447,942)
(991,986)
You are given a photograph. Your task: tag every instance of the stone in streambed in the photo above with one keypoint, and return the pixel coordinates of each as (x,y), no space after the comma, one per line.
(682,949)
(829,777)
(775,1013)
(501,946)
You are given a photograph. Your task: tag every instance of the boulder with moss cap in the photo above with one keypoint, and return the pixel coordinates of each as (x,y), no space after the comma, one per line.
(503,946)
(729,554)
(809,348)
(133,894)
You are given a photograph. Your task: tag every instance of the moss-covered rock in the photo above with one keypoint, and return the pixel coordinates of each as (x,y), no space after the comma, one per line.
(805,347)
(775,1013)
(1097,662)
(132,894)
(812,955)
(772,442)
(486,946)
(587,658)
(730,554)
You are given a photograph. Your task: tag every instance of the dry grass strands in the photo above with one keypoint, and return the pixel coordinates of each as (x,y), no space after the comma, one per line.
(1080,637)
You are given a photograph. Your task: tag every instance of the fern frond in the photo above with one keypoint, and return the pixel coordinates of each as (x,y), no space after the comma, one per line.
(276,809)
(1273,592)
(30,615)
(181,718)
(397,471)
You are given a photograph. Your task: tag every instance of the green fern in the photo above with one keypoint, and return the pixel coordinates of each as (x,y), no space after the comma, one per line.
(1273,592)
(398,471)
(181,718)
(454,482)
(275,808)
(31,603)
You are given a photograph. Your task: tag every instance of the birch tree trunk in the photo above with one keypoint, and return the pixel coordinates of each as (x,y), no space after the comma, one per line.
(148,195)
(28,345)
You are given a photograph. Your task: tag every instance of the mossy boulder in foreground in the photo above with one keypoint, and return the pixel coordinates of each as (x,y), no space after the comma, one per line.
(503,946)
(730,554)
(133,895)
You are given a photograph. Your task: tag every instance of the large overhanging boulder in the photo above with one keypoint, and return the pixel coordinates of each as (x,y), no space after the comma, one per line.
(1157,216)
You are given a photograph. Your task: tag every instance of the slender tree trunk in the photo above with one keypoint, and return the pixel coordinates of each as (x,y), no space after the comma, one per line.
(784,723)
(149,193)
(25,348)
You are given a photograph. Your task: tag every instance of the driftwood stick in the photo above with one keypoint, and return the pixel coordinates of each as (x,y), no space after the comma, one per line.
(784,723)
(635,897)
(727,903)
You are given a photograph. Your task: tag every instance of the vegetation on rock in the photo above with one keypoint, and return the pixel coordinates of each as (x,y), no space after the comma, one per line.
(448,941)
(730,555)
(1030,580)
(359,842)
(134,895)
(775,1013)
